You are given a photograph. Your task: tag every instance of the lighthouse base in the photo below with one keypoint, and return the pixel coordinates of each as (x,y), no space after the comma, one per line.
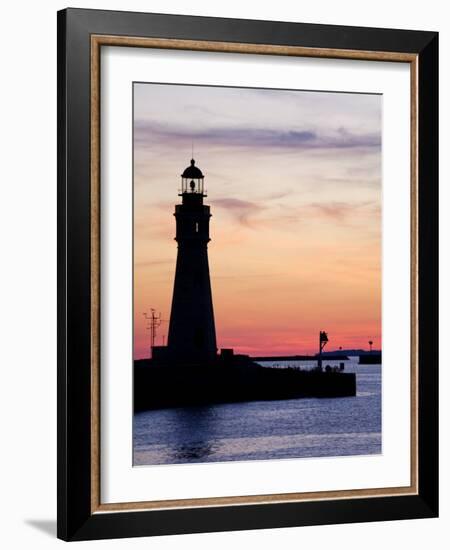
(158,386)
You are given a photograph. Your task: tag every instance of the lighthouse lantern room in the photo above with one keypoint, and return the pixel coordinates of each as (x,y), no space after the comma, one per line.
(192,181)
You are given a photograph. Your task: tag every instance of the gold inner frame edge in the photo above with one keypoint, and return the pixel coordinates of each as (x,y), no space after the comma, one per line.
(97,41)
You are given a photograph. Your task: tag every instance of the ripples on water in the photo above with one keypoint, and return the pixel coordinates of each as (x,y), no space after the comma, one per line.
(261,430)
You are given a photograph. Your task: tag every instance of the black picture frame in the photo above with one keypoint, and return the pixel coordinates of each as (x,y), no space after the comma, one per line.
(76,521)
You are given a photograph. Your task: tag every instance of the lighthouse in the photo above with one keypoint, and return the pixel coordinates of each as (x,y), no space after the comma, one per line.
(192,333)
(175,380)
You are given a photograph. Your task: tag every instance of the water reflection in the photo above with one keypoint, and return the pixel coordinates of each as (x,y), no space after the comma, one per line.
(193,435)
(193,451)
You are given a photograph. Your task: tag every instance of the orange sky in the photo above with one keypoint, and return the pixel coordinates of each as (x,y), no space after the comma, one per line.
(294,185)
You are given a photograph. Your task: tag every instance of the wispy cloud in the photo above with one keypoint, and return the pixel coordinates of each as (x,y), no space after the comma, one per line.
(148,132)
(154,263)
(340,211)
(240,209)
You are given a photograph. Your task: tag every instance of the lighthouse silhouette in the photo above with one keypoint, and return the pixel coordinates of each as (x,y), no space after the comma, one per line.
(192,333)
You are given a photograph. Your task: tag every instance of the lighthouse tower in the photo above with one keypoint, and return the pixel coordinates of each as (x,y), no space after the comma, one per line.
(192,333)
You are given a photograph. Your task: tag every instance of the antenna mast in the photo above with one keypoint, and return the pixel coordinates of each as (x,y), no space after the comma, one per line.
(154,321)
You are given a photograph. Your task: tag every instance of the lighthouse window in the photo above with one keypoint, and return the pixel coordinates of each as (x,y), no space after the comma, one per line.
(196,227)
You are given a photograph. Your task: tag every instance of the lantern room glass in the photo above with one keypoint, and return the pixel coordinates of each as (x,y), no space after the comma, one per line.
(193,185)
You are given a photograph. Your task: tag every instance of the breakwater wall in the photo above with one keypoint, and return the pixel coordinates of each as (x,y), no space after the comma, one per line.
(167,386)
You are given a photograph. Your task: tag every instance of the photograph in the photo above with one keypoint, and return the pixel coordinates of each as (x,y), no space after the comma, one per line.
(257,274)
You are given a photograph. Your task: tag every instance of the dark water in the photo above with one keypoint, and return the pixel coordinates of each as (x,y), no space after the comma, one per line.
(265,429)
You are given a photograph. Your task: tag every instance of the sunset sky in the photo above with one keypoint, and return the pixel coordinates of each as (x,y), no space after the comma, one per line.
(294,185)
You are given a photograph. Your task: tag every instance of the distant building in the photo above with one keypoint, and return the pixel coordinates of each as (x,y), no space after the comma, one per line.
(192,333)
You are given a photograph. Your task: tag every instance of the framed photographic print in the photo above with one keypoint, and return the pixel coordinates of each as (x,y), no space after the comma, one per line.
(247,274)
